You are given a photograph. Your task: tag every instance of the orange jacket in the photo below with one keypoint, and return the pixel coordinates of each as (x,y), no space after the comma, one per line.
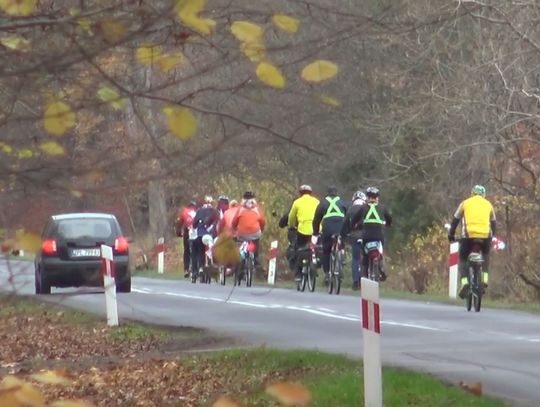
(248,221)
(226,223)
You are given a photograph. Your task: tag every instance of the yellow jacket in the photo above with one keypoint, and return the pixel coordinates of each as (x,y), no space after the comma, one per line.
(476,214)
(302,214)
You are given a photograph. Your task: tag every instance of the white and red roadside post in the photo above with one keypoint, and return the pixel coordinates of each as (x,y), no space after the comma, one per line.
(107,268)
(371,332)
(272,262)
(453,261)
(160,248)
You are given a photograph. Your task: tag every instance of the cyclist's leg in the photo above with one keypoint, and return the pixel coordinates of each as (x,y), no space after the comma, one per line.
(301,242)
(195,255)
(465,246)
(187,252)
(327,243)
(355,252)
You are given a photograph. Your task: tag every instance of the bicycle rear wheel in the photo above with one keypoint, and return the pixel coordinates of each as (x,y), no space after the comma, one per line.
(250,267)
(338,275)
(222,276)
(477,299)
(469,296)
(331,273)
(311,278)
(374,269)
(303,281)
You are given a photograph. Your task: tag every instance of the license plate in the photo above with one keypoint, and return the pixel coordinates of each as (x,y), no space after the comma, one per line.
(86,253)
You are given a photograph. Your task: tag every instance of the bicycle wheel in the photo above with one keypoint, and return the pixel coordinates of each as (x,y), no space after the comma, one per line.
(249,270)
(477,299)
(331,273)
(338,276)
(469,297)
(374,269)
(222,276)
(311,278)
(303,281)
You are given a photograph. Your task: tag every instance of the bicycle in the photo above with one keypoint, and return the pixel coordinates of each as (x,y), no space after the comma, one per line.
(203,270)
(374,252)
(307,256)
(475,262)
(247,265)
(337,261)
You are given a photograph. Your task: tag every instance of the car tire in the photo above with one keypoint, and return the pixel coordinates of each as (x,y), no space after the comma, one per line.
(124,286)
(42,286)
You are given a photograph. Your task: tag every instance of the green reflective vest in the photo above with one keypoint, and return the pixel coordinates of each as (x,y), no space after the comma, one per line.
(333,208)
(372,216)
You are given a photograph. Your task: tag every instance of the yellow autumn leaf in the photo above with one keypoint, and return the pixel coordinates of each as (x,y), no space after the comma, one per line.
(85,24)
(6,148)
(52,148)
(25,153)
(289,394)
(330,101)
(15,42)
(319,71)
(28,395)
(270,75)
(58,118)
(112,97)
(75,193)
(11,383)
(169,61)
(113,30)
(246,31)
(188,13)
(27,241)
(181,121)
(71,403)
(226,251)
(148,54)
(50,376)
(18,7)
(286,23)
(256,52)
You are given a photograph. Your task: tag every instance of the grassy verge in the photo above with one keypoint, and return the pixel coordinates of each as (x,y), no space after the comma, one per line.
(332,380)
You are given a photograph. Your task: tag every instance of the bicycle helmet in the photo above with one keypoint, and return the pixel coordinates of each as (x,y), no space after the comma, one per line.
(372,192)
(223,198)
(208,199)
(359,195)
(305,188)
(249,195)
(478,190)
(332,191)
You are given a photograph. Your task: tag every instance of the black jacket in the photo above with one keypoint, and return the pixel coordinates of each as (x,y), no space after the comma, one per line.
(348,229)
(332,224)
(371,231)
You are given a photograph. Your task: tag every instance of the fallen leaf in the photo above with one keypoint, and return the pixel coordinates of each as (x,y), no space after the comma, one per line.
(58,118)
(270,75)
(330,101)
(52,148)
(168,62)
(319,71)
(71,403)
(112,97)
(181,121)
(247,31)
(286,23)
(289,394)
(16,43)
(148,54)
(50,377)
(29,396)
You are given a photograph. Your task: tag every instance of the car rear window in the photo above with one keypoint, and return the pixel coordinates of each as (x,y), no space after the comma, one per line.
(77,228)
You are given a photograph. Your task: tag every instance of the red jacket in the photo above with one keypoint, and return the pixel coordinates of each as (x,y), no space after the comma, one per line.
(185,220)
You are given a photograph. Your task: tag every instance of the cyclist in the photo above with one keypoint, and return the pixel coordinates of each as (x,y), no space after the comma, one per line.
(222,205)
(301,218)
(477,222)
(204,223)
(248,224)
(369,220)
(184,224)
(225,224)
(331,213)
(352,233)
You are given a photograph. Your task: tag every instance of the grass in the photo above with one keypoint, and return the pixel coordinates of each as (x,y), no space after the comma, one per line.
(332,380)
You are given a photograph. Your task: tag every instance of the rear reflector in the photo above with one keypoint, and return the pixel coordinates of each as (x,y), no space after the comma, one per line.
(121,245)
(48,246)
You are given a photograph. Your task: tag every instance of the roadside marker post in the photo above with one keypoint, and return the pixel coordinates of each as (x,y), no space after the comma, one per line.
(107,268)
(371,333)
(161,254)
(272,262)
(453,270)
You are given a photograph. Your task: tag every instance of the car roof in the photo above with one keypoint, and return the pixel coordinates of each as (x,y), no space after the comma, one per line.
(82,215)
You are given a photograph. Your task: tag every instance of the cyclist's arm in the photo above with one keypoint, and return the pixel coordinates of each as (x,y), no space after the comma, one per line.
(319,213)
(292,216)
(387,218)
(493,222)
(455,221)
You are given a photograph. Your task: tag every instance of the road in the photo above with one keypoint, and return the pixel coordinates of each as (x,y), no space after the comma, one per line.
(499,348)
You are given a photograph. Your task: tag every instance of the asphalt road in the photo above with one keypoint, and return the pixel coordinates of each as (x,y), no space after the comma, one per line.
(499,348)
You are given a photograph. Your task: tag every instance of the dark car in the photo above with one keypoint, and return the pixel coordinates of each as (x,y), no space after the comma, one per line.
(70,253)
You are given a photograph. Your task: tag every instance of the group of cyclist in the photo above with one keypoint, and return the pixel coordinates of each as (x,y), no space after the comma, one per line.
(243,221)
(358,222)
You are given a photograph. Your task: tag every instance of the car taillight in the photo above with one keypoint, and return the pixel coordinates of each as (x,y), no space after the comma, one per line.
(49,246)
(121,245)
